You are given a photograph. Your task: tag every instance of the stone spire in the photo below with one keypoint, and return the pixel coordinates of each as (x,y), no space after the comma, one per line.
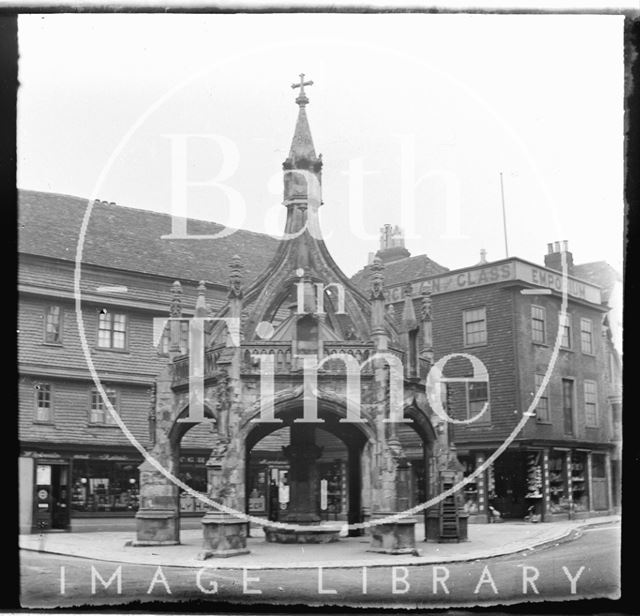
(302,172)
(302,143)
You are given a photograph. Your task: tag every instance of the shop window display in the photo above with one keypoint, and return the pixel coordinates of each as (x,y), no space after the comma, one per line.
(534,487)
(579,487)
(470,490)
(333,489)
(559,501)
(104,486)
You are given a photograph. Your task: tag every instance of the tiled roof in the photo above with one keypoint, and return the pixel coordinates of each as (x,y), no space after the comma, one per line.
(403,270)
(130,239)
(600,273)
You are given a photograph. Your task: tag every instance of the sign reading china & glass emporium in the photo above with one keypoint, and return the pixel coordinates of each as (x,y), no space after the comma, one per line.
(514,269)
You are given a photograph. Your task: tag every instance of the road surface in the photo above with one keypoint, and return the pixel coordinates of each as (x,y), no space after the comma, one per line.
(588,567)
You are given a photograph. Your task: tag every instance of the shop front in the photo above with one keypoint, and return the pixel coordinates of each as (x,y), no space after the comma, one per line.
(104,487)
(538,484)
(578,484)
(475,492)
(56,487)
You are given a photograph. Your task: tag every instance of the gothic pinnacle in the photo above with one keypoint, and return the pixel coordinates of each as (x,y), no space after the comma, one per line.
(175,308)
(235,277)
(201,304)
(302,143)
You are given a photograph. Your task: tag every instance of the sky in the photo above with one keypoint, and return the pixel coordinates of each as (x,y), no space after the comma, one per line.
(416,117)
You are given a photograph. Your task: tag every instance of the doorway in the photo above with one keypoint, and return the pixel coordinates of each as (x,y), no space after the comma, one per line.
(52,497)
(510,472)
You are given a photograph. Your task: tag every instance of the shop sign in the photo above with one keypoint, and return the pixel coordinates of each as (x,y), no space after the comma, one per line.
(514,269)
(553,280)
(396,294)
(474,278)
(280,463)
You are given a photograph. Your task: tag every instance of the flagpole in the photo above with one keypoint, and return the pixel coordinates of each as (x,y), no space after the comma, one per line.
(504,218)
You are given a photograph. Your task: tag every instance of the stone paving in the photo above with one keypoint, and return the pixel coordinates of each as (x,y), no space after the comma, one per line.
(485,541)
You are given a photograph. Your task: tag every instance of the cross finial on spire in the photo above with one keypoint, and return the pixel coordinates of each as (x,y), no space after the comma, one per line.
(302,97)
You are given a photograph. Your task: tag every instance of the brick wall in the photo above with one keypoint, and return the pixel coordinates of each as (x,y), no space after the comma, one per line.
(498,354)
(573,364)
(512,361)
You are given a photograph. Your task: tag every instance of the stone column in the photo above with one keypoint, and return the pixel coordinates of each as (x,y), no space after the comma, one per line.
(397,536)
(302,453)
(366,485)
(158,516)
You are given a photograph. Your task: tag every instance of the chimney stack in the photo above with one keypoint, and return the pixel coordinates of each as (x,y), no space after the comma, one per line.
(553,258)
(392,246)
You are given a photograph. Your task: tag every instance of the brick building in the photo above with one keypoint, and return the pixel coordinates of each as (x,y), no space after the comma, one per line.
(565,461)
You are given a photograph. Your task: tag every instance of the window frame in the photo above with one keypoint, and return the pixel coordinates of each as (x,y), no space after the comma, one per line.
(465,341)
(486,418)
(543,396)
(569,326)
(572,381)
(111,330)
(36,405)
(544,324)
(107,421)
(47,308)
(592,350)
(596,415)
